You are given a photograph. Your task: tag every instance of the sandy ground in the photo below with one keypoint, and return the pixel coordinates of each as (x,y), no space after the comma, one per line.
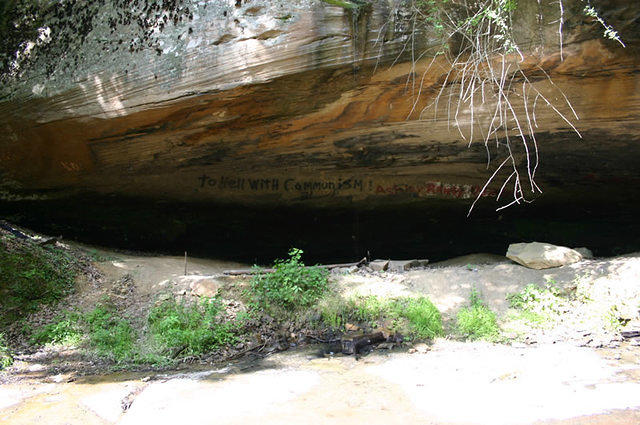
(448,284)
(452,383)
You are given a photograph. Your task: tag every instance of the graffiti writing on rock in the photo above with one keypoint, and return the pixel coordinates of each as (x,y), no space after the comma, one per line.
(280,184)
(427,189)
(339,186)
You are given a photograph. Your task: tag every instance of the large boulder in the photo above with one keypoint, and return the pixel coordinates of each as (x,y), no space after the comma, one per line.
(537,255)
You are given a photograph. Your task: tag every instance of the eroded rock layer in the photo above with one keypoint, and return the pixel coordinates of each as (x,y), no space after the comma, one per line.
(269,103)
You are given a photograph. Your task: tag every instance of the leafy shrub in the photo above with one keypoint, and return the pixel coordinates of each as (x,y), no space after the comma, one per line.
(545,302)
(477,321)
(6,359)
(191,328)
(291,286)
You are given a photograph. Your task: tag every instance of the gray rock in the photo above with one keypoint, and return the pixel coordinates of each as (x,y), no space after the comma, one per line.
(379,265)
(405,265)
(345,270)
(537,255)
(201,286)
(585,252)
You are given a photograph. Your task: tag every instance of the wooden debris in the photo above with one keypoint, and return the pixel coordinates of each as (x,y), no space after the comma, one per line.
(355,343)
(241,272)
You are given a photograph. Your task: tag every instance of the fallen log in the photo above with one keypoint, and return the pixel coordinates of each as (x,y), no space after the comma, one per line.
(241,272)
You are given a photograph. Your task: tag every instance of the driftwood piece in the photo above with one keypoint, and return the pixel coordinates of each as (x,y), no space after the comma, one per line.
(353,344)
(240,272)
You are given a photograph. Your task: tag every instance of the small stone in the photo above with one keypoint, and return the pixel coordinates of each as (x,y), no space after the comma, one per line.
(146,379)
(58,378)
(412,351)
(164,297)
(203,286)
(350,327)
(422,348)
(347,270)
(36,368)
(379,265)
(585,252)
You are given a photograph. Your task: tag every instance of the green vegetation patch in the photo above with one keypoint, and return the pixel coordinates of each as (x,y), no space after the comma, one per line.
(31,275)
(538,306)
(110,336)
(416,318)
(192,329)
(478,321)
(423,317)
(6,359)
(102,330)
(175,328)
(292,286)
(66,329)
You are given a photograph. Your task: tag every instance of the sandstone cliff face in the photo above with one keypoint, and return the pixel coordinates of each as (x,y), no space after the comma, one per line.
(274,103)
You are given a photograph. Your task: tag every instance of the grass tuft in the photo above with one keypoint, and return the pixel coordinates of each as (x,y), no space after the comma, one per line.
(477,321)
(423,317)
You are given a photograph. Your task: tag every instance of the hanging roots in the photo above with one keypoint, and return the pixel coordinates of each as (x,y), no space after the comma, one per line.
(486,92)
